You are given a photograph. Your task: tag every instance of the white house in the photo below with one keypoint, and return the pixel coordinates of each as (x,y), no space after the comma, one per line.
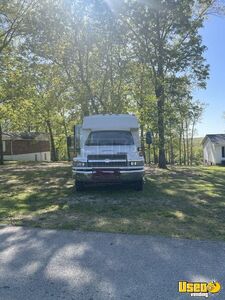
(214,149)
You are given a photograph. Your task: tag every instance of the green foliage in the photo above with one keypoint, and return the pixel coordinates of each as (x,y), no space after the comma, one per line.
(62,60)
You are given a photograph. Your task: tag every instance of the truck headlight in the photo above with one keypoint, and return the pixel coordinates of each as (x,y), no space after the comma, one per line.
(78,163)
(136,163)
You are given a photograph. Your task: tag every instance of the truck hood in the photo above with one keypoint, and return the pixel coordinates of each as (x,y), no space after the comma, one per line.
(130,150)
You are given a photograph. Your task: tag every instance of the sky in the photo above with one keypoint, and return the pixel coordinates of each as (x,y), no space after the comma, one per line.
(213,35)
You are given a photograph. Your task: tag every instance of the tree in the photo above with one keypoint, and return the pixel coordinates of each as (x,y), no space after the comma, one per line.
(165,34)
(84,40)
(12,15)
(80,57)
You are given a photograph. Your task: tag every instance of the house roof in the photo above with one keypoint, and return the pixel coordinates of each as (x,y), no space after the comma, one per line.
(215,138)
(25,136)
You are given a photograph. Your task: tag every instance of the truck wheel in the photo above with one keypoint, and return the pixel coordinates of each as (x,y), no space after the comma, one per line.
(79,186)
(138,185)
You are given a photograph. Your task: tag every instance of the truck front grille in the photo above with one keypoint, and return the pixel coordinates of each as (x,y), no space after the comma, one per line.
(107,156)
(108,164)
(107,160)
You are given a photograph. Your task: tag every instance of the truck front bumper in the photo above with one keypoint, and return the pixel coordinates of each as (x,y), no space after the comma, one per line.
(108,175)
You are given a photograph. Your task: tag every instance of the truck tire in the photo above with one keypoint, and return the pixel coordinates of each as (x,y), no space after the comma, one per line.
(138,185)
(79,186)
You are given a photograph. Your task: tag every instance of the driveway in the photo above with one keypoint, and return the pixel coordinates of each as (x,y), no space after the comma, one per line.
(53,264)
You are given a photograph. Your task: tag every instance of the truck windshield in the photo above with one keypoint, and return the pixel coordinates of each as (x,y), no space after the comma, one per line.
(106,138)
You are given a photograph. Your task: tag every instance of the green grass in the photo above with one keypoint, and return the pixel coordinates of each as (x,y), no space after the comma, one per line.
(186,202)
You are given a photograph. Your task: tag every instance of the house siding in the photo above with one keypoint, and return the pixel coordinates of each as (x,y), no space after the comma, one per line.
(27,149)
(218,154)
(7,147)
(25,146)
(212,153)
(209,152)
(38,156)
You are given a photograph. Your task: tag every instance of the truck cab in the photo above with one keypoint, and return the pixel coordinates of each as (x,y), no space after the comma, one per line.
(109,151)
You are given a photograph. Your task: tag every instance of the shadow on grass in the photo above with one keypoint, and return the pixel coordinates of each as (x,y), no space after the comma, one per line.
(182,202)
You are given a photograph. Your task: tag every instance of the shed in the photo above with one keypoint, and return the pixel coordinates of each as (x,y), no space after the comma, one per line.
(214,149)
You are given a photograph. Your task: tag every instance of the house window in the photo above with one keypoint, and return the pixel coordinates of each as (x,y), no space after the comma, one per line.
(223,151)
(3,146)
(45,156)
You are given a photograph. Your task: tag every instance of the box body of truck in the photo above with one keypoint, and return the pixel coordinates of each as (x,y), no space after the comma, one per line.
(109,151)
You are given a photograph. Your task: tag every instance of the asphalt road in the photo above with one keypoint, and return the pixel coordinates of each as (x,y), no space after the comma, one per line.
(50,264)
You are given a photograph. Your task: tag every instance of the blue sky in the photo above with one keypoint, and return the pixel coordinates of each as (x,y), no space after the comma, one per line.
(213,35)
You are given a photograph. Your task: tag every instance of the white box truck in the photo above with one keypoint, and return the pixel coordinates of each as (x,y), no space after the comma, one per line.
(109,151)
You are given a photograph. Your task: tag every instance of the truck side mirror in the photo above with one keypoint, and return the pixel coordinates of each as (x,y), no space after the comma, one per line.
(148,138)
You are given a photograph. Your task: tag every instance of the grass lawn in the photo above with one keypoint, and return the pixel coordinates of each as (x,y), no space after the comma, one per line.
(180,202)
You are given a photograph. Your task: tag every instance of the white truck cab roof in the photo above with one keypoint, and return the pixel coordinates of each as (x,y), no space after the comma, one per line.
(110,122)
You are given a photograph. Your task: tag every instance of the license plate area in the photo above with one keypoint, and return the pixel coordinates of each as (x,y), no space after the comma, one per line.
(106,175)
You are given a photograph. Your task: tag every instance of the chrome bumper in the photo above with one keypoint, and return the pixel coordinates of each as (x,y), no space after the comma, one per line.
(108,175)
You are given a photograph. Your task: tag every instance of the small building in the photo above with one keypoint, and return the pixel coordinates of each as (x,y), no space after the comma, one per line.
(30,146)
(214,149)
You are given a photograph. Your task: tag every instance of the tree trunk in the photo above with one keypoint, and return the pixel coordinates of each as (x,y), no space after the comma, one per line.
(192,137)
(155,156)
(141,107)
(66,135)
(154,149)
(171,151)
(52,142)
(142,142)
(68,152)
(187,142)
(1,147)
(160,111)
(170,145)
(180,147)
(184,145)
(160,93)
